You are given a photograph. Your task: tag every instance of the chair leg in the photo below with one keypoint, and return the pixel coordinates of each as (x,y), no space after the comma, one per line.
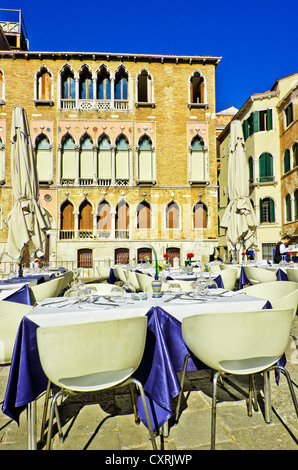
(252,398)
(181,384)
(267,397)
(148,419)
(45,412)
(134,405)
(213,416)
(53,410)
(291,388)
(295,339)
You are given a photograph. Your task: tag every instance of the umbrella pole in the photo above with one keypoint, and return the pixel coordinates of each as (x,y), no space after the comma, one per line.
(20,263)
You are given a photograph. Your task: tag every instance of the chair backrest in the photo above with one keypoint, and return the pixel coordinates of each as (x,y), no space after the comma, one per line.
(67,278)
(292,274)
(213,268)
(275,292)
(120,274)
(224,267)
(238,342)
(94,355)
(49,288)
(144,281)
(103,272)
(229,278)
(256,275)
(132,278)
(11,314)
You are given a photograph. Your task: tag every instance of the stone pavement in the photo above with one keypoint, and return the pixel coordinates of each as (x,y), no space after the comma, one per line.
(105,420)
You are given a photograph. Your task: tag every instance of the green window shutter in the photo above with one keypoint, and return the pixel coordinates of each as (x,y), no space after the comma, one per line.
(245,129)
(269,166)
(255,121)
(251,171)
(269,120)
(261,211)
(262,167)
(250,124)
(296,204)
(287,165)
(272,211)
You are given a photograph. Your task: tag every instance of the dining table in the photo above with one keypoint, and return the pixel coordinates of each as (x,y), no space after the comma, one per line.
(163,355)
(16,289)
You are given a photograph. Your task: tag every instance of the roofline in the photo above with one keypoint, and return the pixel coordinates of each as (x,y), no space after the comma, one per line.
(112,55)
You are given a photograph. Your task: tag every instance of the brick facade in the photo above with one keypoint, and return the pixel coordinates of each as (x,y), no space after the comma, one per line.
(170,122)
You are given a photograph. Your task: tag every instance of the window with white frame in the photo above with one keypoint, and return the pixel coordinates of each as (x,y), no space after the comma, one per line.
(86,161)
(200,215)
(104,161)
(103,88)
(143,215)
(145,159)
(85,84)
(68,88)
(68,164)
(122,160)
(172,215)
(197,160)
(197,90)
(43,85)
(2,87)
(2,161)
(43,159)
(144,88)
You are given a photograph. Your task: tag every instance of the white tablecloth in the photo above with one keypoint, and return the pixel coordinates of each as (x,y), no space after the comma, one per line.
(59,311)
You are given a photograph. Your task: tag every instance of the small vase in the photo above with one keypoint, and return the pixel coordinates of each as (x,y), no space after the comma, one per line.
(156,288)
(189,268)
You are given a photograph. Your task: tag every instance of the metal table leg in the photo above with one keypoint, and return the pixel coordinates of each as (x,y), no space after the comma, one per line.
(31,425)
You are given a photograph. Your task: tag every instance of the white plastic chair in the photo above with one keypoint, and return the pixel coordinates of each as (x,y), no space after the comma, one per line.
(241,343)
(257,275)
(67,279)
(145,282)
(93,356)
(229,278)
(281,294)
(104,273)
(292,274)
(11,314)
(51,288)
(120,274)
(224,267)
(132,278)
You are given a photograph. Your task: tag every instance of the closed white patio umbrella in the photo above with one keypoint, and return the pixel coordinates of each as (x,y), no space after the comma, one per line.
(27,221)
(239,218)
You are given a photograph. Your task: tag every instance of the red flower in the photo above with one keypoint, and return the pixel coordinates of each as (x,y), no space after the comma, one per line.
(190,255)
(166,255)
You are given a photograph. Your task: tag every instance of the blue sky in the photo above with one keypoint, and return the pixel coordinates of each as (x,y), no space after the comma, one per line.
(257,40)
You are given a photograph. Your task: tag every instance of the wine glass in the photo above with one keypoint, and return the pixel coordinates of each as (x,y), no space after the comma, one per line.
(199,286)
(174,287)
(211,286)
(91,293)
(128,287)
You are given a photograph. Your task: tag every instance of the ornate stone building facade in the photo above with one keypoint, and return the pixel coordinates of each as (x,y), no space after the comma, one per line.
(125,148)
(269,122)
